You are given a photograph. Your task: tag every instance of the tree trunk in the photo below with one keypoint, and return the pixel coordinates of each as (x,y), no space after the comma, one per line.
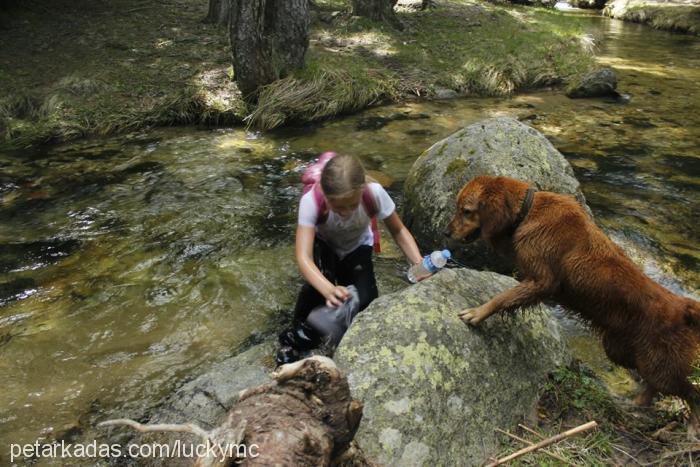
(219,11)
(377,10)
(291,33)
(268,40)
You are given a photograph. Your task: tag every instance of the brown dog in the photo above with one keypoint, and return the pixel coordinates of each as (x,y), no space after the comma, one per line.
(562,255)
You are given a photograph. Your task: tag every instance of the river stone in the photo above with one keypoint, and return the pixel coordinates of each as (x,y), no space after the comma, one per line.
(540,3)
(204,401)
(598,83)
(435,389)
(445,93)
(497,146)
(588,4)
(208,397)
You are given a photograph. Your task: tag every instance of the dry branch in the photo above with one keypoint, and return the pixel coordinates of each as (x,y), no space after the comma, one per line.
(529,443)
(546,442)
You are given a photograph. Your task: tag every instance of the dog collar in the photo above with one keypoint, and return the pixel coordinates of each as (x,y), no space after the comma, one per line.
(525,207)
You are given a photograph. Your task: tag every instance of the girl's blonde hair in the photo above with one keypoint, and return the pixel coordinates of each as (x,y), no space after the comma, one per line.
(342,174)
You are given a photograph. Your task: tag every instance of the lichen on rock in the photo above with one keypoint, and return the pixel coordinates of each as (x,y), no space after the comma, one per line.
(435,389)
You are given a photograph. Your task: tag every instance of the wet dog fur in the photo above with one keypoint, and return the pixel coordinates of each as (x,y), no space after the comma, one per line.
(563,256)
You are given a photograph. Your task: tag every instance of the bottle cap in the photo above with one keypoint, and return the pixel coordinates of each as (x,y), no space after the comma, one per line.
(446,254)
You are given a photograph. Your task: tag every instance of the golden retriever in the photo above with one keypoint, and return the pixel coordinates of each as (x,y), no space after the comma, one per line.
(563,256)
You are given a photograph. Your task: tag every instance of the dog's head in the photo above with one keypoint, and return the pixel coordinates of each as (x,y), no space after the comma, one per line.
(486,207)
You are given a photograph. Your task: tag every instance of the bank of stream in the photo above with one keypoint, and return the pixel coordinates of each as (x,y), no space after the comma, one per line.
(130,264)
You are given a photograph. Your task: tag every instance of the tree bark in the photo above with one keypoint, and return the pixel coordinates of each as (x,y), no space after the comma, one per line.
(268,40)
(377,10)
(219,11)
(291,33)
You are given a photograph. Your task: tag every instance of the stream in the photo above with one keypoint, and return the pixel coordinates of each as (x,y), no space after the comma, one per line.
(129,264)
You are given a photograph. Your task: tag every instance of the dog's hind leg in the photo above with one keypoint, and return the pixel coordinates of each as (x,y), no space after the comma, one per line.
(694,422)
(668,372)
(621,353)
(646,394)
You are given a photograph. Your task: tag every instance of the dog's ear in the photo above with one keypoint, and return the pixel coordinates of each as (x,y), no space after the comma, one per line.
(496,210)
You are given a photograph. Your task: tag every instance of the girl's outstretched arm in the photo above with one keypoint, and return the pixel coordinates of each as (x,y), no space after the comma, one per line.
(334,295)
(403,238)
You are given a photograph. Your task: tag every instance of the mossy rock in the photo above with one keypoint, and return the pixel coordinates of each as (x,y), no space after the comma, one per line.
(435,389)
(498,146)
(597,83)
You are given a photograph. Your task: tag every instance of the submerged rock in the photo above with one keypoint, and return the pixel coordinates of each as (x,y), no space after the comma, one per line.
(445,93)
(35,254)
(498,146)
(16,289)
(435,389)
(598,83)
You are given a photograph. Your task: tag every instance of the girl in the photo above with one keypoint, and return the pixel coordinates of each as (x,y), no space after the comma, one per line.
(334,245)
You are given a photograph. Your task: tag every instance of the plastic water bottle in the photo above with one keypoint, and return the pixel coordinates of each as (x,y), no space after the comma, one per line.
(431,264)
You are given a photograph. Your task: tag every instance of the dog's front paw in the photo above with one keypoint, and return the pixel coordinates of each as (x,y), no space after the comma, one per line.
(473,316)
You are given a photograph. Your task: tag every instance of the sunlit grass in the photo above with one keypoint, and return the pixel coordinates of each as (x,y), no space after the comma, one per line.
(136,77)
(674,17)
(324,93)
(473,48)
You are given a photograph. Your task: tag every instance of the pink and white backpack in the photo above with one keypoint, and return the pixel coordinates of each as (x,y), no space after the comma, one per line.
(311,178)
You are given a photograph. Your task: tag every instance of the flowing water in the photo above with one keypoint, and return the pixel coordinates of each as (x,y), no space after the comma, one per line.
(129,264)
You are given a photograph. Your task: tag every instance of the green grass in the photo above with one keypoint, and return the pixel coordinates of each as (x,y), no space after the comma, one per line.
(115,70)
(323,90)
(476,49)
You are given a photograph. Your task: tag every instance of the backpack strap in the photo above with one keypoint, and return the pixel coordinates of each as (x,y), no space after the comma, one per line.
(372,210)
(320,201)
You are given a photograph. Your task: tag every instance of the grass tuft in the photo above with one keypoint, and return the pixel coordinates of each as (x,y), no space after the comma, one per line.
(325,94)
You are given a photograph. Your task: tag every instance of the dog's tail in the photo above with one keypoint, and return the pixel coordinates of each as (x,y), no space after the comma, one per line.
(691,313)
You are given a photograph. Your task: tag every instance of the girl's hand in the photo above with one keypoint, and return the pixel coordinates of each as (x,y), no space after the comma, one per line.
(336,296)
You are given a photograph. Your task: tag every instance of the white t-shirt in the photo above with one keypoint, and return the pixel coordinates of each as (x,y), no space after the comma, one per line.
(346,234)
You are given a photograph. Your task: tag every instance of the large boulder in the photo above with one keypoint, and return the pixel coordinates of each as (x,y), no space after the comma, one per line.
(435,389)
(498,146)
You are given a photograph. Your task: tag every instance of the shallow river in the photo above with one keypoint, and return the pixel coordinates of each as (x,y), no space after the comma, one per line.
(127,265)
